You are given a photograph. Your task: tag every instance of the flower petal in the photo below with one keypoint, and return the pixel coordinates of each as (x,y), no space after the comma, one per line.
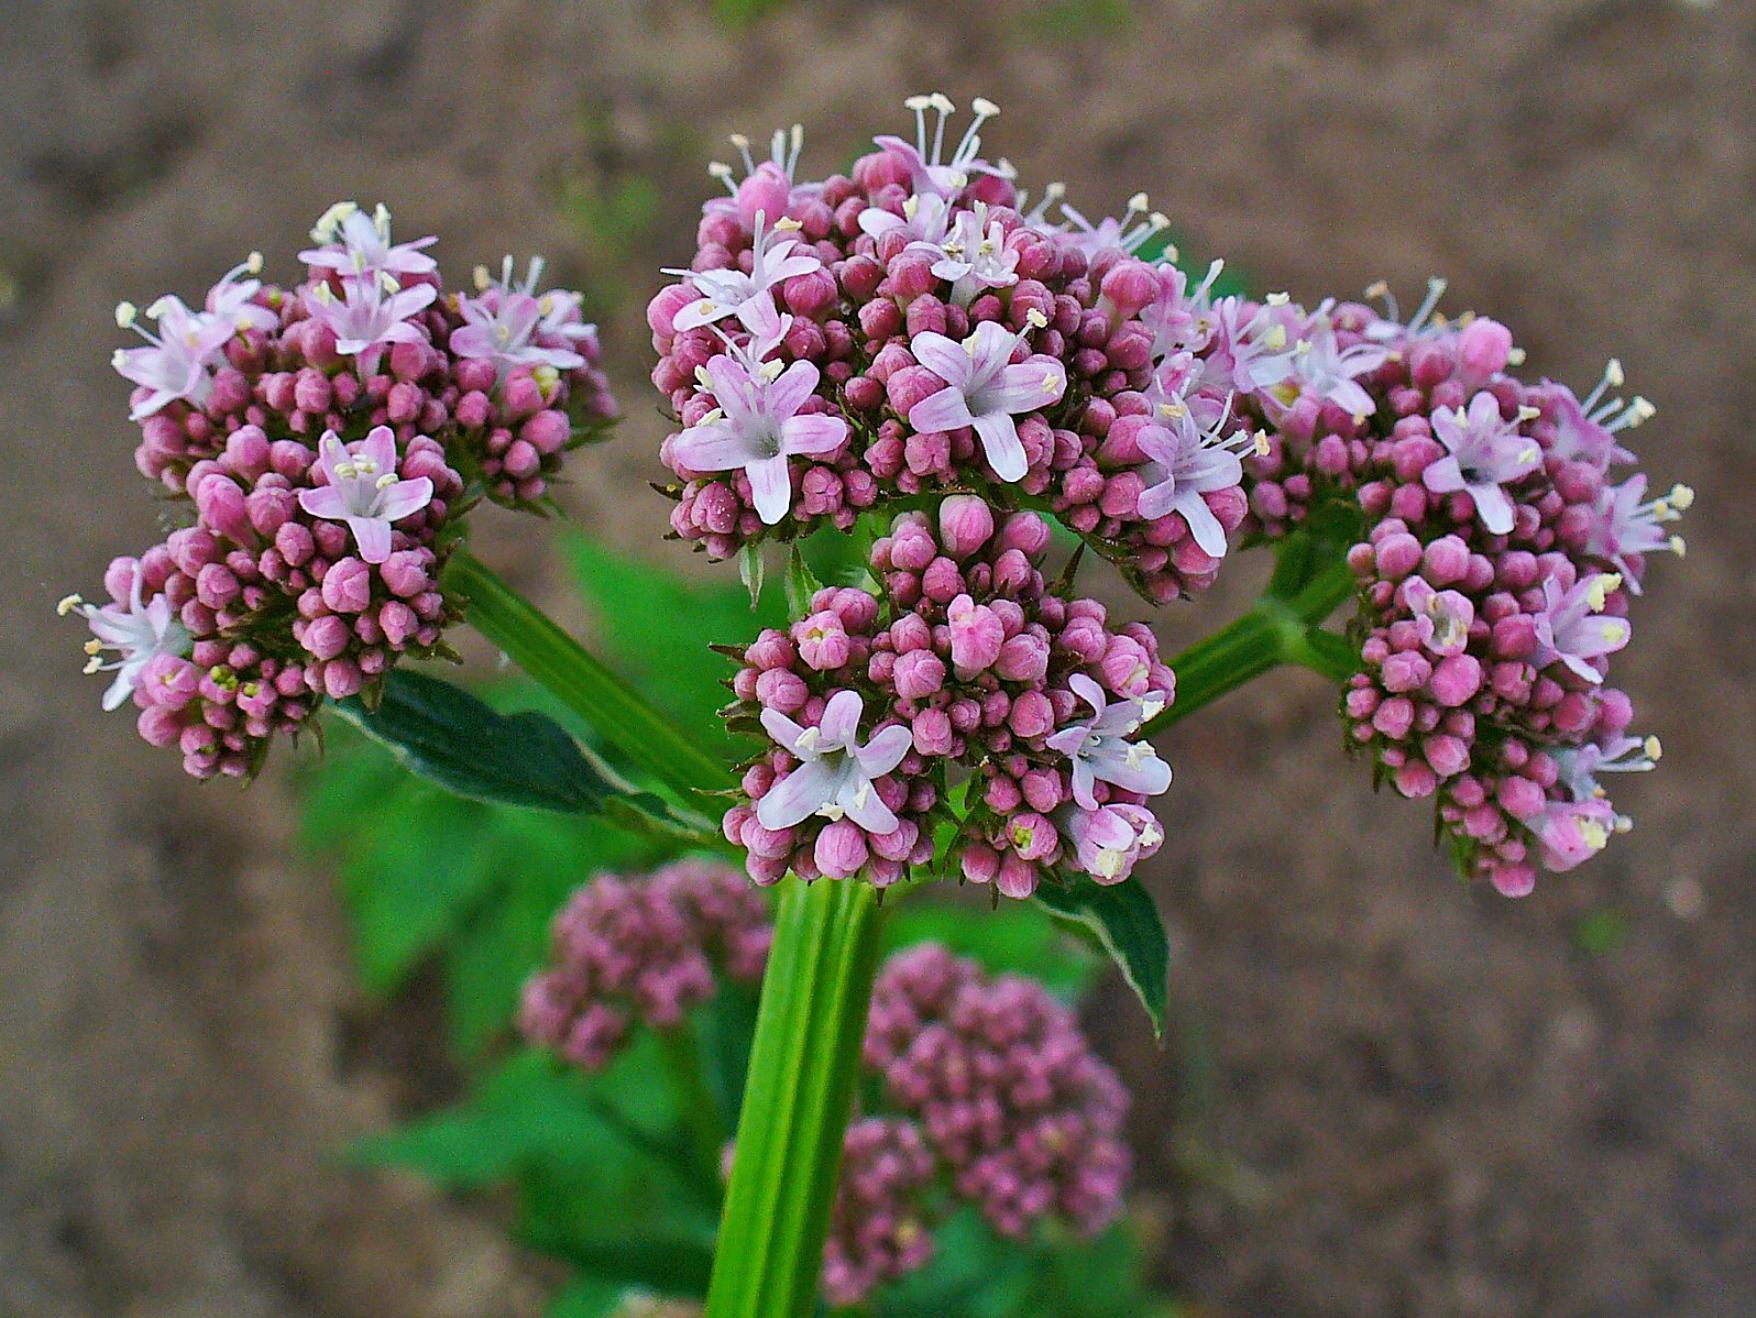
(944,357)
(813,435)
(783,730)
(885,751)
(404,498)
(715,446)
(1203,525)
(325,501)
(797,797)
(1030,385)
(840,723)
(862,804)
(1001,446)
(372,534)
(790,390)
(380,447)
(771,488)
(946,410)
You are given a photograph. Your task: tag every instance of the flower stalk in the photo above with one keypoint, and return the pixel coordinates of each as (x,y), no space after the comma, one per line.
(1278,629)
(802,1070)
(570,672)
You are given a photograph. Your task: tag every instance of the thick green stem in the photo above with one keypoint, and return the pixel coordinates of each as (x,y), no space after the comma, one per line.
(552,657)
(1277,630)
(802,1069)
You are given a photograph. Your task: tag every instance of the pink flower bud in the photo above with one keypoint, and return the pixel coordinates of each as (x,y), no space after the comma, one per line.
(841,849)
(966,524)
(347,586)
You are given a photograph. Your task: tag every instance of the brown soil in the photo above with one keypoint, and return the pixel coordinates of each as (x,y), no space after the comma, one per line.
(1392,1096)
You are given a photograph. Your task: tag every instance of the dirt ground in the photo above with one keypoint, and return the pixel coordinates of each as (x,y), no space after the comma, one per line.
(1390,1095)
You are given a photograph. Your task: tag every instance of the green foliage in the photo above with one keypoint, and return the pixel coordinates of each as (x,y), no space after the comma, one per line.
(1019,938)
(442,732)
(661,646)
(424,871)
(976,1274)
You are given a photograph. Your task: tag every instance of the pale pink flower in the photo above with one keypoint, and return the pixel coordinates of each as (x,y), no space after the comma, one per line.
(363,490)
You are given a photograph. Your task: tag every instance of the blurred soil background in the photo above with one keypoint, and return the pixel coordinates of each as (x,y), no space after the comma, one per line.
(1384,1095)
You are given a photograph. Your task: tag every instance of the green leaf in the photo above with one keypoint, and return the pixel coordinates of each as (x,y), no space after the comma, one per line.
(802,584)
(444,733)
(1125,921)
(752,569)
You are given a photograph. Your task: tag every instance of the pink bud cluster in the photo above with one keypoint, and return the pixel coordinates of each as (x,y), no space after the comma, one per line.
(1024,1116)
(943,337)
(1495,577)
(628,951)
(995,679)
(877,1226)
(322,442)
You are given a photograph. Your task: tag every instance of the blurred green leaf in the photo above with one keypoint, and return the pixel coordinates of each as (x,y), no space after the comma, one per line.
(1125,921)
(1021,938)
(587,1297)
(655,630)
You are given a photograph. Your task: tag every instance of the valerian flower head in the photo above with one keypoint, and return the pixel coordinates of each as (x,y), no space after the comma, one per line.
(1127,233)
(985,389)
(364,490)
(1484,454)
(1110,840)
(1099,747)
(836,771)
(1186,462)
(136,630)
(974,255)
(177,363)
(1627,523)
(358,245)
(233,299)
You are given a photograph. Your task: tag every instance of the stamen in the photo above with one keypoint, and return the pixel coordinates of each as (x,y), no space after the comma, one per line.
(67,603)
(126,315)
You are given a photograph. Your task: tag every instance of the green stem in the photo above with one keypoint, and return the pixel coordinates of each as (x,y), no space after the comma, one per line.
(614,708)
(803,1065)
(1277,630)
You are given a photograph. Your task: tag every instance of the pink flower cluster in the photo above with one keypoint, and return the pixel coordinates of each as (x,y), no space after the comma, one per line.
(644,951)
(913,327)
(322,442)
(986,1090)
(877,1225)
(1006,1088)
(970,673)
(1495,578)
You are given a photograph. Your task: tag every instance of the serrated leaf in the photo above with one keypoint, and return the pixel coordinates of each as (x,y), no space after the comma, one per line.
(1125,921)
(445,734)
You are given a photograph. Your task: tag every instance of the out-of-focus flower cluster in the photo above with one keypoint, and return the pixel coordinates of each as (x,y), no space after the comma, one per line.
(986,1092)
(968,672)
(916,327)
(642,951)
(321,443)
(1504,539)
